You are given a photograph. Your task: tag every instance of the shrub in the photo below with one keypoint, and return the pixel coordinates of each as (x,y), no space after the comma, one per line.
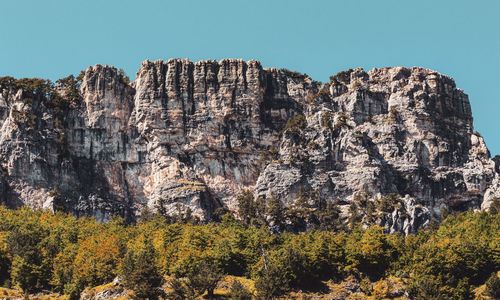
(275,212)
(341,77)
(29,270)
(4,260)
(239,292)
(341,121)
(388,203)
(123,77)
(493,286)
(327,119)
(180,290)
(295,124)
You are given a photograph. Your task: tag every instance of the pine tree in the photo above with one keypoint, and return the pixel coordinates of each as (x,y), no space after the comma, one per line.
(140,273)
(25,273)
(246,207)
(205,276)
(275,211)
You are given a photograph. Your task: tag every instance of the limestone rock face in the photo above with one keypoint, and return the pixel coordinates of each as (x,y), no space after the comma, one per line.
(186,138)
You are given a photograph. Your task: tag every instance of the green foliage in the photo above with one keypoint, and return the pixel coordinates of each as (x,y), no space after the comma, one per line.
(327,119)
(57,252)
(247,209)
(328,215)
(296,124)
(341,77)
(62,273)
(273,275)
(140,273)
(28,262)
(96,260)
(495,206)
(35,86)
(204,276)
(239,292)
(200,276)
(274,210)
(123,77)
(464,251)
(388,203)
(268,156)
(341,121)
(4,260)
(251,211)
(370,251)
(180,290)
(68,94)
(361,210)
(322,93)
(62,94)
(493,286)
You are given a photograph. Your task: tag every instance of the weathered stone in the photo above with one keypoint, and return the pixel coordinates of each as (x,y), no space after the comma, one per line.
(185,138)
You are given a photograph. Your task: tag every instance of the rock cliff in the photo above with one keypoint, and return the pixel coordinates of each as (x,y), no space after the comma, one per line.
(394,145)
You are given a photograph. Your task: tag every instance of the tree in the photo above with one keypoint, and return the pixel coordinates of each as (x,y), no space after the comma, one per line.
(62,274)
(123,77)
(459,254)
(68,94)
(274,211)
(96,260)
(140,273)
(295,124)
(56,252)
(4,260)
(25,274)
(370,251)
(273,276)
(495,206)
(180,290)
(239,292)
(246,207)
(28,270)
(388,203)
(204,276)
(328,215)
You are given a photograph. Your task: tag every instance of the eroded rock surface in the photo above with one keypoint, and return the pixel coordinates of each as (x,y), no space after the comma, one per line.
(186,138)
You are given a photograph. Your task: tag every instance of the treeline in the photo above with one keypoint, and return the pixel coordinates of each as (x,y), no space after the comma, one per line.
(44,251)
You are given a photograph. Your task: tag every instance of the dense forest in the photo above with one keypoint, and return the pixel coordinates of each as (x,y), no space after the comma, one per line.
(44,252)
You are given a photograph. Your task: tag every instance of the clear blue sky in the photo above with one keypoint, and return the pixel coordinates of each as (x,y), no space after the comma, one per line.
(54,38)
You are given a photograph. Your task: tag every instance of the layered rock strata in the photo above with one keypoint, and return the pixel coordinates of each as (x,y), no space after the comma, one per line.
(186,138)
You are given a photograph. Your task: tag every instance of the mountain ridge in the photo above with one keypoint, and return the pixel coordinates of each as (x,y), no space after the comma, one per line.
(187,138)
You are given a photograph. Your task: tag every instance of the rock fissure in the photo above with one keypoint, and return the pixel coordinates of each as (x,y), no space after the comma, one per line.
(188,137)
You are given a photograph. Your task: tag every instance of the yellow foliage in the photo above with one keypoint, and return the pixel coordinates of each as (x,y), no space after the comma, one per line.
(97,259)
(386,288)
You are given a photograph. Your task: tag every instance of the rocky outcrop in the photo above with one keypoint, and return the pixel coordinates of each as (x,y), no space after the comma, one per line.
(186,138)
